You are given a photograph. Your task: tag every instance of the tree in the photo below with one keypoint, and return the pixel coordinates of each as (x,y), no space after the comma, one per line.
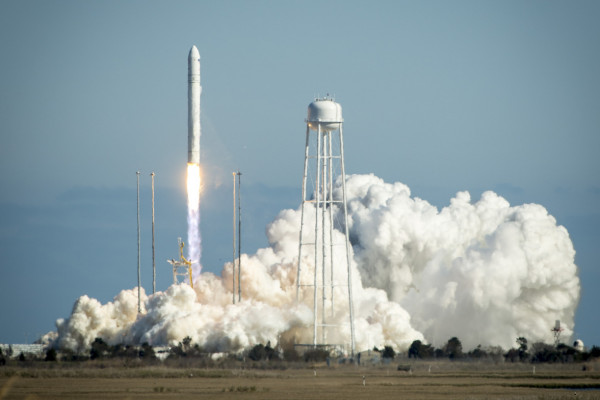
(595,352)
(147,351)
(477,352)
(50,355)
(511,355)
(184,348)
(290,354)
(269,351)
(523,354)
(542,352)
(420,350)
(186,343)
(414,351)
(388,352)
(453,348)
(257,353)
(99,349)
(567,353)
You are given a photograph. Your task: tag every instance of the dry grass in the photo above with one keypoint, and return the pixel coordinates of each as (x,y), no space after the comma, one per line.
(437,380)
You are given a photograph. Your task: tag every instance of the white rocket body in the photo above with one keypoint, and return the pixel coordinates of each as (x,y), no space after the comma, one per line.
(194,90)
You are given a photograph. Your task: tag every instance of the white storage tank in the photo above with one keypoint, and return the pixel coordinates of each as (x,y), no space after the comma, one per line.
(326,113)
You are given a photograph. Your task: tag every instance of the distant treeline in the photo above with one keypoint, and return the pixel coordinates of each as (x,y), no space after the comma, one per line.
(536,353)
(188,353)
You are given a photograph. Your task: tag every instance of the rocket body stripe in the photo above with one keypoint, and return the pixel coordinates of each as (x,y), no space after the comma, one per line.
(194,91)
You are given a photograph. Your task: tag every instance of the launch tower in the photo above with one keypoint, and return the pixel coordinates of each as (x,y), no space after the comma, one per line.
(322,160)
(181,267)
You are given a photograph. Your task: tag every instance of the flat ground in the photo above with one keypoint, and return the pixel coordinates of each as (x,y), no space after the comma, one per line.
(426,381)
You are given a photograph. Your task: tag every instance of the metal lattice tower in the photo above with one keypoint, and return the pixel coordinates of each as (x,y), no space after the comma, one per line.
(556,331)
(181,267)
(323,127)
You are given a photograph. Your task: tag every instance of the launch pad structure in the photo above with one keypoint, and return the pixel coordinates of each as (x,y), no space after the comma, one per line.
(325,120)
(183,267)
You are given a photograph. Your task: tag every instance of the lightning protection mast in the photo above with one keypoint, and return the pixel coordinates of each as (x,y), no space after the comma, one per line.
(239,176)
(138,244)
(234,230)
(237,220)
(153,253)
(323,127)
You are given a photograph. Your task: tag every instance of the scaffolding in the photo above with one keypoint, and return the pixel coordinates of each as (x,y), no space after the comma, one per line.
(181,267)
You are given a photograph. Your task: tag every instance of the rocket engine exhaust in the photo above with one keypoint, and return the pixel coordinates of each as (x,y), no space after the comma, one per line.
(193,218)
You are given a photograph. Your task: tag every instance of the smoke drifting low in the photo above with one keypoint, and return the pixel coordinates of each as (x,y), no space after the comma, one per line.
(483,271)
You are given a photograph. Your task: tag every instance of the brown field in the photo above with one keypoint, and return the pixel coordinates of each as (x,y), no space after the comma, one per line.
(435,380)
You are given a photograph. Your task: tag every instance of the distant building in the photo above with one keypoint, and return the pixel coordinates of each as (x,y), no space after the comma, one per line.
(14,350)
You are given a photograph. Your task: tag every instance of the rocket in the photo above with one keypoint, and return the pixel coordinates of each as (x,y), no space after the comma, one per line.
(194,90)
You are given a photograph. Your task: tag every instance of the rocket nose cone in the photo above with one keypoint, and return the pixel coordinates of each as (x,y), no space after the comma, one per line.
(194,54)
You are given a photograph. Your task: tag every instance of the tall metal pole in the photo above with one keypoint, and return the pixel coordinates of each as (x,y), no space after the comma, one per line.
(138,242)
(317,201)
(323,238)
(330,191)
(302,213)
(153,253)
(234,233)
(239,174)
(350,297)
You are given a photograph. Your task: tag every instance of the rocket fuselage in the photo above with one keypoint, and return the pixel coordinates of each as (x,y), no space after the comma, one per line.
(194,90)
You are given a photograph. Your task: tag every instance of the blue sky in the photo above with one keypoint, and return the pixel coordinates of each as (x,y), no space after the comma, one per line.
(443,96)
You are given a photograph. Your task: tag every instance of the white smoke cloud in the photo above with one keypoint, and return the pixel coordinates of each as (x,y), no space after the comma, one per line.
(485,272)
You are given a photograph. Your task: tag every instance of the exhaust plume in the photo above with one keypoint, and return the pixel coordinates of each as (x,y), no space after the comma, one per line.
(194,241)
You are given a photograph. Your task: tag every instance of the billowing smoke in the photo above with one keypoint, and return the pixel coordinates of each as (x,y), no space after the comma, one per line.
(485,272)
(482,271)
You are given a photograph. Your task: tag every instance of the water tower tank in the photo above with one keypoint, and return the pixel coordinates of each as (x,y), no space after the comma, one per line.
(326,113)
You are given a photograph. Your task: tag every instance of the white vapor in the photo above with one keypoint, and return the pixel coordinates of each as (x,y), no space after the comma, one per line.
(484,272)
(194,241)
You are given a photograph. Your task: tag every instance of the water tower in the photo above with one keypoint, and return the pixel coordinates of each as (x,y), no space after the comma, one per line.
(323,163)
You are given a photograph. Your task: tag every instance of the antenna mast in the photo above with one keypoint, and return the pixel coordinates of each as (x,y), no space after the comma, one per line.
(153,259)
(234,233)
(138,243)
(239,175)
(237,220)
